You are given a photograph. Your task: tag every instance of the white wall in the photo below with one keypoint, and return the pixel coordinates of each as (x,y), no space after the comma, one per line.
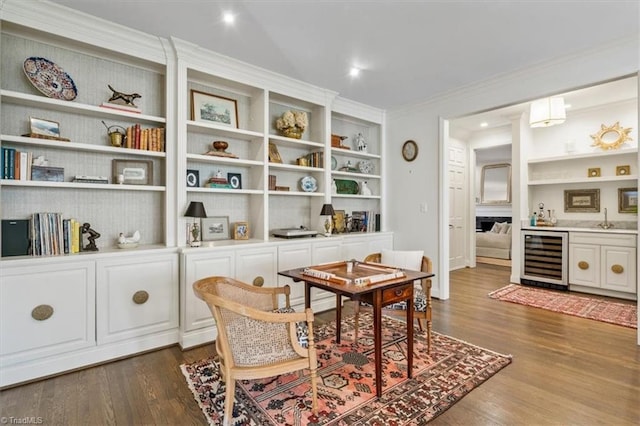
(423,179)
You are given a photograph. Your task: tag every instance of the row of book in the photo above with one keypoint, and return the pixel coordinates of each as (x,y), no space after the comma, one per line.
(52,235)
(16,165)
(365,221)
(314,159)
(145,139)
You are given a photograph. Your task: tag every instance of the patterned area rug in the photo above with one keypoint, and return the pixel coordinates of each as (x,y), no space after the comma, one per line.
(346,386)
(568,303)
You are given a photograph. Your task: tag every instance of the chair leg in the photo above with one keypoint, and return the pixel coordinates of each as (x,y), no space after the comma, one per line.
(229,397)
(357,320)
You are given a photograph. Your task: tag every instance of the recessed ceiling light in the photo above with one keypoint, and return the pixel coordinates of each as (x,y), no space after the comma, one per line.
(484,124)
(354,72)
(228,18)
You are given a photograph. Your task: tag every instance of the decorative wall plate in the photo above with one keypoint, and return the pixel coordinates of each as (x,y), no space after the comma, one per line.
(365,166)
(347,186)
(50,79)
(334,163)
(308,184)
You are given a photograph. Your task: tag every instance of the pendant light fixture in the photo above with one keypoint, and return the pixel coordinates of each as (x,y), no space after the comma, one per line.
(547,112)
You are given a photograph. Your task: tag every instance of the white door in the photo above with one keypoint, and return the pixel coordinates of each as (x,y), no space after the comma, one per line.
(457,207)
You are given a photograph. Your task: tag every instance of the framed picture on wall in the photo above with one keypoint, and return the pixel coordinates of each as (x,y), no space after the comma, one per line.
(582,200)
(214,109)
(627,200)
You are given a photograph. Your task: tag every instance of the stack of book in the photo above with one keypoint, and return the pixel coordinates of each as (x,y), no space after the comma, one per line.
(52,235)
(90,179)
(16,165)
(218,182)
(365,221)
(145,139)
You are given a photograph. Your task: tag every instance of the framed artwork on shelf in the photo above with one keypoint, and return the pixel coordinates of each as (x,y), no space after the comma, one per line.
(45,128)
(214,109)
(193,178)
(627,200)
(235,180)
(241,231)
(215,228)
(339,221)
(133,172)
(582,200)
(274,155)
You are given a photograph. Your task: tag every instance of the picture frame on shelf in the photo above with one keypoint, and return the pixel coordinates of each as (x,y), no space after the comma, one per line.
(45,128)
(628,200)
(209,108)
(582,200)
(215,228)
(133,172)
(193,178)
(274,155)
(241,231)
(235,180)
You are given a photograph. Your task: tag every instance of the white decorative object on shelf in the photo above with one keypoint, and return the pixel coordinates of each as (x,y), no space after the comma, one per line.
(361,144)
(364,189)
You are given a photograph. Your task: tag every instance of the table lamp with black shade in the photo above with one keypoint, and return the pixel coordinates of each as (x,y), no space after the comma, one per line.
(195,210)
(327,210)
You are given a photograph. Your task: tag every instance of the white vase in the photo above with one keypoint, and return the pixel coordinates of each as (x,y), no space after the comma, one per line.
(334,187)
(364,189)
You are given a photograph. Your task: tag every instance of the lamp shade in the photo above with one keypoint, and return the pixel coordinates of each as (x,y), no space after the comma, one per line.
(195,209)
(327,210)
(547,112)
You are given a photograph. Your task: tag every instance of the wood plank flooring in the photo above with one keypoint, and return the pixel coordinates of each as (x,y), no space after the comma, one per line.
(565,371)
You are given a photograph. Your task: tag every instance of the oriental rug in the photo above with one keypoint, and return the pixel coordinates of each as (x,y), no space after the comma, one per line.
(625,314)
(346,385)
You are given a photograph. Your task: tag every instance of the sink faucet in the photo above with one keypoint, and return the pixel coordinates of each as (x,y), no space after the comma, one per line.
(605,224)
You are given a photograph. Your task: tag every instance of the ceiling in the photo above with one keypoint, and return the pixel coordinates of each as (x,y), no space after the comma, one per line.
(408,50)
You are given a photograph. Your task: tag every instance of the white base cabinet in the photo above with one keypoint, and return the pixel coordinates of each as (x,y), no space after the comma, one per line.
(603,264)
(260,262)
(73,311)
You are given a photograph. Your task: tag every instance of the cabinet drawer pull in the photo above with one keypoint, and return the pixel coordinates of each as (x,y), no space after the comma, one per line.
(42,312)
(398,292)
(140,297)
(617,269)
(583,265)
(258,281)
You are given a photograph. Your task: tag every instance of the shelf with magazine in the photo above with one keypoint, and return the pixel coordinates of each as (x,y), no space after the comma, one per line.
(67,107)
(356,161)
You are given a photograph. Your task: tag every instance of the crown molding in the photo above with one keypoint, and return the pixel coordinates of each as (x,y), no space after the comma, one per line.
(629,46)
(47,17)
(358,110)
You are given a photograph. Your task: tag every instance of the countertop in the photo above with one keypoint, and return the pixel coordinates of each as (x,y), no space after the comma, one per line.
(577,229)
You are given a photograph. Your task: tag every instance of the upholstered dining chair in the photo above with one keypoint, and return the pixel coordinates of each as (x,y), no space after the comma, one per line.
(255,338)
(412,260)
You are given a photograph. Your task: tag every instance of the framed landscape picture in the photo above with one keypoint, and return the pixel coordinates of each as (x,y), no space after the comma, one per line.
(627,200)
(214,109)
(133,172)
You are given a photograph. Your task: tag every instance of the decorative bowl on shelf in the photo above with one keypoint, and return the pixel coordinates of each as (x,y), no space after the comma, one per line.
(292,132)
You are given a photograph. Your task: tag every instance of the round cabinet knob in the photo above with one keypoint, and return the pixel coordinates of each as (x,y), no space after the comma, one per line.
(258,281)
(140,297)
(42,312)
(398,292)
(583,265)
(617,269)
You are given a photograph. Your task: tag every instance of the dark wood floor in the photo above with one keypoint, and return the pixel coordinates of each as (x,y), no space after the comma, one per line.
(565,371)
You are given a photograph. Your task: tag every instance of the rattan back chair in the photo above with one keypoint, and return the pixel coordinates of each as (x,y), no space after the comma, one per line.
(255,338)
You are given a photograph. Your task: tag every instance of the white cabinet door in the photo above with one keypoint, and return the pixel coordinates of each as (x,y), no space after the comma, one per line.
(325,252)
(66,290)
(255,266)
(136,296)
(292,256)
(355,248)
(584,269)
(619,268)
(195,313)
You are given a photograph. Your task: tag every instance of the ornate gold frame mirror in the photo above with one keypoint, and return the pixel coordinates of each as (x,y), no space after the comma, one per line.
(611,137)
(495,184)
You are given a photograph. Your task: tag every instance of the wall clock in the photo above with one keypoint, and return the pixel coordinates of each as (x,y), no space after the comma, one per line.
(410,150)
